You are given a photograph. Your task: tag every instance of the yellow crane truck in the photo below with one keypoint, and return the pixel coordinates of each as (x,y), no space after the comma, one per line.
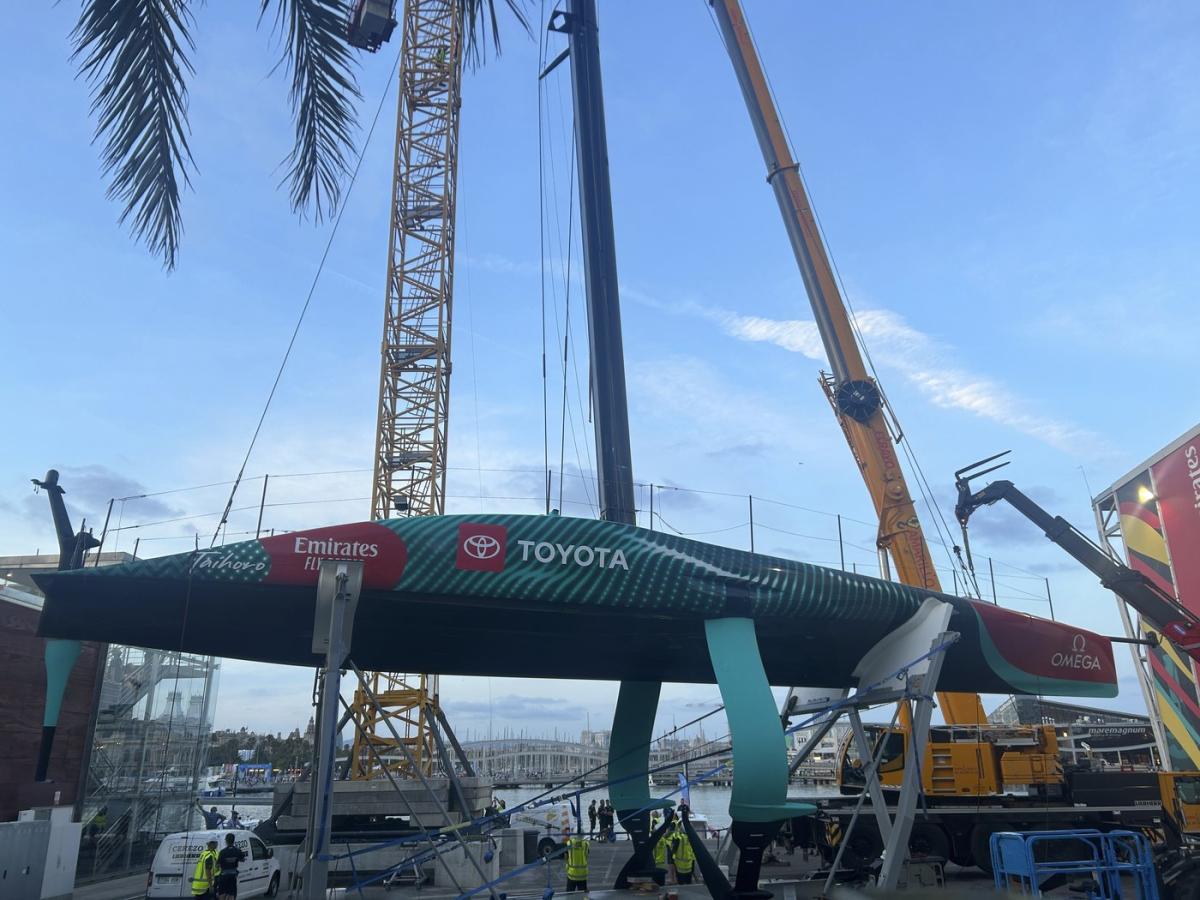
(999,778)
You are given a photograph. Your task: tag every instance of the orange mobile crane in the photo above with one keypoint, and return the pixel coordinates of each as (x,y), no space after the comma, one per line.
(857,400)
(976,780)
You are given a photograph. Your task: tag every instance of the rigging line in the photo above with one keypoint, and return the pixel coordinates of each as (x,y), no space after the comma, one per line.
(196,487)
(1027,572)
(568,418)
(308,300)
(923,484)
(562,445)
(583,416)
(553,174)
(120,519)
(939,523)
(658,516)
(947,540)
(315,474)
(542,250)
(810,537)
(463,218)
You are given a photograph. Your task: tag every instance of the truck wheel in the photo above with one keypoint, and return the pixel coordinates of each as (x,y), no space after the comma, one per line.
(981,850)
(863,847)
(546,846)
(928,839)
(273,887)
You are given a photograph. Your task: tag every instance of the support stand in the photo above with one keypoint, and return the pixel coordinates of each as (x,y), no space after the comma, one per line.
(887,674)
(338,587)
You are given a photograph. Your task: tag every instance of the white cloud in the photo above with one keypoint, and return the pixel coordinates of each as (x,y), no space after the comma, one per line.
(790,334)
(720,415)
(924,362)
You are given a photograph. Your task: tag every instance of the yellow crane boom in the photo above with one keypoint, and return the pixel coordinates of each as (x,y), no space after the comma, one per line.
(856,399)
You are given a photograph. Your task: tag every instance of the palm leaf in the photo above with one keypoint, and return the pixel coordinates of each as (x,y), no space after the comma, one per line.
(481,24)
(134,55)
(323,96)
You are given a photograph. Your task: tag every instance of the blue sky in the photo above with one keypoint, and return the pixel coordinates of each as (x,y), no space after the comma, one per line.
(1009,193)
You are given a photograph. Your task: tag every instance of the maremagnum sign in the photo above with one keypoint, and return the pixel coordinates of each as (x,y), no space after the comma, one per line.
(553,596)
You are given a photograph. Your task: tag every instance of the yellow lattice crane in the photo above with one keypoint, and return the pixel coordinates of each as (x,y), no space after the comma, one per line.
(414,377)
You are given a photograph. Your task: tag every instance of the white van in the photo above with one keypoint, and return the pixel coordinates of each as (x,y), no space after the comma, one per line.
(175,862)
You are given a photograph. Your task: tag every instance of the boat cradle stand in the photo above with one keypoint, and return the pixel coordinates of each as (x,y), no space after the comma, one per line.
(902,668)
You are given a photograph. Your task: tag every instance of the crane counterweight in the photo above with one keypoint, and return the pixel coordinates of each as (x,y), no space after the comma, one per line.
(371,23)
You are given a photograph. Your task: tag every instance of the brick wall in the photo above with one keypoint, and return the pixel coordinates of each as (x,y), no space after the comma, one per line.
(22,694)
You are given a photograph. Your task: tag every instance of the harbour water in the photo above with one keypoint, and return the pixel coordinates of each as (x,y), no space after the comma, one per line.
(711,801)
(708,800)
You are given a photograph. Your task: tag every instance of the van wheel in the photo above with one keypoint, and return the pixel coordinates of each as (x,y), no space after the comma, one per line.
(546,846)
(273,887)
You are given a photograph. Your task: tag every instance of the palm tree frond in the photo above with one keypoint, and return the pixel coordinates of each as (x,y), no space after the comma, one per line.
(134,55)
(323,96)
(481,25)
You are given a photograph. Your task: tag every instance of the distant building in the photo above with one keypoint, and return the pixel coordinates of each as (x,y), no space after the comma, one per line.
(1040,711)
(1085,732)
(599,739)
(821,764)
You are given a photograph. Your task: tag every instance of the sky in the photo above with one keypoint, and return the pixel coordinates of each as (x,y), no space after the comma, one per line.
(1008,192)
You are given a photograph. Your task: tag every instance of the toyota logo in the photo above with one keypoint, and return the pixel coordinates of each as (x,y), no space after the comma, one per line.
(481,546)
(1079,644)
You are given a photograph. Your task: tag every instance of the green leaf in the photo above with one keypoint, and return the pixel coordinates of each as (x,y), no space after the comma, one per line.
(481,24)
(323,96)
(134,55)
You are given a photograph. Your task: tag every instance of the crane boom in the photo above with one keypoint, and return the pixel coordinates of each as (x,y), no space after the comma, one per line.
(1161,610)
(856,399)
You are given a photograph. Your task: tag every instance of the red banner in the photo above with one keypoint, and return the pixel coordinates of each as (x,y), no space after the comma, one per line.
(1177,486)
(296,556)
(1048,649)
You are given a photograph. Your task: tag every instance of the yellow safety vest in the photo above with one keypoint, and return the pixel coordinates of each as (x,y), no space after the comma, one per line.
(577,859)
(200,878)
(660,850)
(682,852)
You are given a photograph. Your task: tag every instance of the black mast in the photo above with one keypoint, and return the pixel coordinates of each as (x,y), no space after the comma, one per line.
(614,461)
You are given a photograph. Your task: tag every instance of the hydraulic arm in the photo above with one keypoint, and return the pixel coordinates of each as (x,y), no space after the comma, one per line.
(856,399)
(1162,610)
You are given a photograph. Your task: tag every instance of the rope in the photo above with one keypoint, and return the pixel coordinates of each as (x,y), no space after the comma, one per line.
(542,249)
(545,798)
(562,439)
(307,301)
(939,520)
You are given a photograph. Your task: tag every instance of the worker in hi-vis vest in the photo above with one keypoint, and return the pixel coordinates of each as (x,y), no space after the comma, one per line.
(682,854)
(206,871)
(660,851)
(577,862)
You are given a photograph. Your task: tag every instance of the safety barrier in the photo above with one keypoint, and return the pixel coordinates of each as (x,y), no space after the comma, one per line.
(1027,861)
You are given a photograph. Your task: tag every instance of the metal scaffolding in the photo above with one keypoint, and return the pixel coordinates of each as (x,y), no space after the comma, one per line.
(410,704)
(414,377)
(414,380)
